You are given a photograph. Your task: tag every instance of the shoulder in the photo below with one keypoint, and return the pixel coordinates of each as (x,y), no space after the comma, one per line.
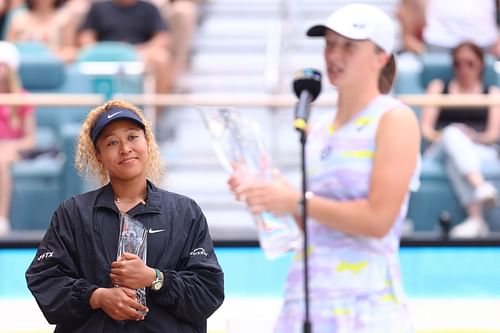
(177,202)
(396,118)
(82,202)
(102,6)
(20,19)
(398,123)
(146,5)
(399,115)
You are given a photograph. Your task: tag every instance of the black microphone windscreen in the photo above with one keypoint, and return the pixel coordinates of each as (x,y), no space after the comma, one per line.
(308,79)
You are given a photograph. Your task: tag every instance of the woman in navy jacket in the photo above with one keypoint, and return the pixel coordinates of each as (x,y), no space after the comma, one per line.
(75,277)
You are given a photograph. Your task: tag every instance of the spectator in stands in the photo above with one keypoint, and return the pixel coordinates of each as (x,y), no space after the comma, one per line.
(182,17)
(465,137)
(139,23)
(446,24)
(411,15)
(17,128)
(76,10)
(75,278)
(8,9)
(4,10)
(362,161)
(43,22)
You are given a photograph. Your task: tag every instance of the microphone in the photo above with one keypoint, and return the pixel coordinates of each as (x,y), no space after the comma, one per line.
(307,86)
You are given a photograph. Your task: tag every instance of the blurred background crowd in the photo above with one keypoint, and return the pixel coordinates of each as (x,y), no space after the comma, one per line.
(231,49)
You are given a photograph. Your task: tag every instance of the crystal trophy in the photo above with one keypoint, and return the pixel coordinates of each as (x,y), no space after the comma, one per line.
(237,139)
(133,239)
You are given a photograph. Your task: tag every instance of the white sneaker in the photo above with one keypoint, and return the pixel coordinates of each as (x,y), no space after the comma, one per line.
(472,227)
(4,226)
(486,194)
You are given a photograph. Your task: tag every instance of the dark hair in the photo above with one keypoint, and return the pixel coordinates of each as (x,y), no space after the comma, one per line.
(478,52)
(387,74)
(57,3)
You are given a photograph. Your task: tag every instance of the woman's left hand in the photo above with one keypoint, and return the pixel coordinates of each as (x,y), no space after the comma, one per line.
(131,272)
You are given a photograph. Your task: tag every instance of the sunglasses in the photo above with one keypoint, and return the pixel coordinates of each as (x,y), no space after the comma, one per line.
(467,63)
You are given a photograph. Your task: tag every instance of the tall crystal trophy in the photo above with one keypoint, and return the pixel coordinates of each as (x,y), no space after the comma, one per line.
(238,139)
(133,239)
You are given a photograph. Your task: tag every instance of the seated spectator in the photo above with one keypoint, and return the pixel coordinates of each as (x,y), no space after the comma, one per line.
(465,137)
(444,24)
(43,22)
(136,22)
(8,9)
(182,17)
(17,128)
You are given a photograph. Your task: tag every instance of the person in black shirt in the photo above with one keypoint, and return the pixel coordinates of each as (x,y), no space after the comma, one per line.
(465,137)
(136,22)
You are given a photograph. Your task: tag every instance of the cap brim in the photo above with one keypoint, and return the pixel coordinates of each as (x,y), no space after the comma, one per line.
(103,122)
(317,30)
(320,31)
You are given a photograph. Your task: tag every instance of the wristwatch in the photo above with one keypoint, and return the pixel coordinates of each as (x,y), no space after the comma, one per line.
(158,281)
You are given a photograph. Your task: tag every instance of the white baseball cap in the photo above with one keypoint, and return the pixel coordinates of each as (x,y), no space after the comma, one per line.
(9,55)
(360,22)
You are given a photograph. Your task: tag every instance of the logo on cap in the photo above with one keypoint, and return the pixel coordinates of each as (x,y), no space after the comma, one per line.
(113,114)
(359,25)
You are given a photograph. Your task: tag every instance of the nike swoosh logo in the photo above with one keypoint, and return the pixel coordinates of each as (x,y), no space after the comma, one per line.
(151,231)
(113,114)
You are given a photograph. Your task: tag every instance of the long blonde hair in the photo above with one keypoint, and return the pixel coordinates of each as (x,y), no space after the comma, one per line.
(86,161)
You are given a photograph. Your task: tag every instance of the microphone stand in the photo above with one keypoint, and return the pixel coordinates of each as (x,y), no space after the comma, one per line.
(307,326)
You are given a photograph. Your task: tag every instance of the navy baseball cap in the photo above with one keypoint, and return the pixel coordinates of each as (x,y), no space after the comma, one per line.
(111,115)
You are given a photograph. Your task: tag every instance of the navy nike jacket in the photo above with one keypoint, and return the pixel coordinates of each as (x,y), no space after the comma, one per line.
(75,256)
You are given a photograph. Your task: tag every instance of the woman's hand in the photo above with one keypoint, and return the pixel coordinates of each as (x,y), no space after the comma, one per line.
(118,303)
(131,272)
(276,196)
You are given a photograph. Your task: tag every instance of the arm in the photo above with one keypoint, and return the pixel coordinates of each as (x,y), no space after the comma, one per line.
(29,130)
(160,39)
(87,37)
(492,132)
(53,276)
(195,289)
(398,141)
(68,50)
(12,30)
(62,293)
(87,32)
(411,17)
(430,114)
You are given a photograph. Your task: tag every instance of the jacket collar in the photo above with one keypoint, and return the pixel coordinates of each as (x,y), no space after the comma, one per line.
(105,199)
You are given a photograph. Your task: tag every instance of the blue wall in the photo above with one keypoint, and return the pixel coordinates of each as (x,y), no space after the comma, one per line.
(427,272)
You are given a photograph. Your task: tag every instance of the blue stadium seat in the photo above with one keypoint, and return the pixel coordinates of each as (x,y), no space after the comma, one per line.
(39,184)
(112,67)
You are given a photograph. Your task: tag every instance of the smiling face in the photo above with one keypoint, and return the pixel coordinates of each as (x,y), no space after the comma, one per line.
(122,149)
(350,62)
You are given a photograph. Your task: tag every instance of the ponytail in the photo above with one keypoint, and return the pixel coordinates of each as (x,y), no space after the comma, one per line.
(387,75)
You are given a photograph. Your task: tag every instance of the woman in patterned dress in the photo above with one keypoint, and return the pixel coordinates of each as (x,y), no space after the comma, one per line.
(362,162)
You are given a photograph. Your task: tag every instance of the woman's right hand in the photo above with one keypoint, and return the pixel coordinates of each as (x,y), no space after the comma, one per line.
(119,303)
(236,180)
